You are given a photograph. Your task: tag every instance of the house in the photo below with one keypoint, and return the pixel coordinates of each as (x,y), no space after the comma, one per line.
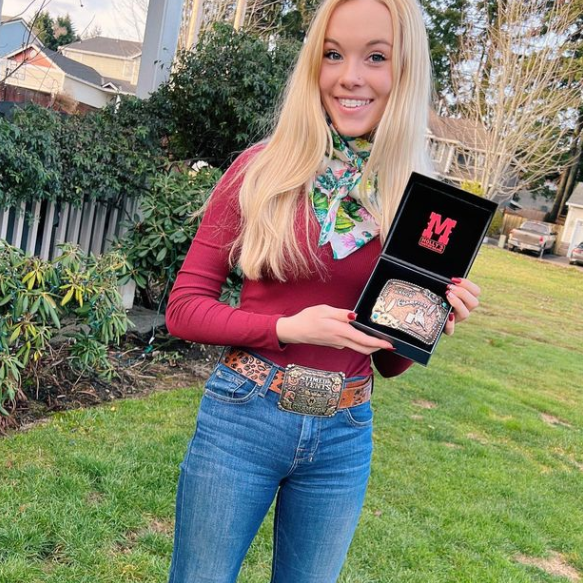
(118,61)
(573,231)
(15,34)
(42,75)
(458,149)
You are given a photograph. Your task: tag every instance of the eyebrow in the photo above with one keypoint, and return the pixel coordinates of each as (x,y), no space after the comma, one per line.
(368,44)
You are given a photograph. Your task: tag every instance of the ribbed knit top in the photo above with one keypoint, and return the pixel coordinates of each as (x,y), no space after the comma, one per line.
(195,313)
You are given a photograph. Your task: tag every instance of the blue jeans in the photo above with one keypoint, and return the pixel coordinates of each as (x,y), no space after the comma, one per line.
(245,452)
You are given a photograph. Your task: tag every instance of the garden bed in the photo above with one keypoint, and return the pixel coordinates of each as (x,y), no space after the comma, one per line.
(140,368)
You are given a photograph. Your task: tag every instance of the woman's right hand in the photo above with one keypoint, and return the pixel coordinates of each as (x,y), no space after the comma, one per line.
(327,326)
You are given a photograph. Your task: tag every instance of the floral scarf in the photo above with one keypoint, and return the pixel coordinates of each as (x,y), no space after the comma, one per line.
(345,223)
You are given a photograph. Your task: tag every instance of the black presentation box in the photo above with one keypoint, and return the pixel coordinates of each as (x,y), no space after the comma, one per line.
(436,235)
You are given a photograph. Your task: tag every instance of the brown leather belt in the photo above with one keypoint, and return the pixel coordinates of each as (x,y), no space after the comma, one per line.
(258,370)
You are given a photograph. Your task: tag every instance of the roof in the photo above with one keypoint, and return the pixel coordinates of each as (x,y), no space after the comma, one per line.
(121,85)
(9,18)
(107,46)
(577,196)
(465,131)
(73,68)
(68,66)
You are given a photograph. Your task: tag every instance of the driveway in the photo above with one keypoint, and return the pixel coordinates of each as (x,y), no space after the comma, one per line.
(556,259)
(561,260)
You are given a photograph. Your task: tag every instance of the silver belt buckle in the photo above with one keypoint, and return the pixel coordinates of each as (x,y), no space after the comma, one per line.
(309,391)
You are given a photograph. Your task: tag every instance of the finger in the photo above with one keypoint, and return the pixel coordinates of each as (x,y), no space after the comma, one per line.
(362,349)
(450,324)
(471,301)
(460,309)
(339,314)
(367,341)
(356,337)
(473,288)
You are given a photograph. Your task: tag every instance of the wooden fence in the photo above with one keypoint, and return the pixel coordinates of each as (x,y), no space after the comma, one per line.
(38,228)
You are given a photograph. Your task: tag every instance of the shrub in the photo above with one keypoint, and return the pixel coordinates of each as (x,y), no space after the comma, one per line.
(36,296)
(158,240)
(495,228)
(223,94)
(101,155)
(473,186)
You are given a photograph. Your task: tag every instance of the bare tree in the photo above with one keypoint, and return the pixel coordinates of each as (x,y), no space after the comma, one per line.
(93,32)
(517,81)
(134,13)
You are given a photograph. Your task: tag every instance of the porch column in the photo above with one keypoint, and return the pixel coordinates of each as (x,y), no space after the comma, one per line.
(160,41)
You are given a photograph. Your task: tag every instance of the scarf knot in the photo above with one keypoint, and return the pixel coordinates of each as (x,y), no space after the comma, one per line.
(334,195)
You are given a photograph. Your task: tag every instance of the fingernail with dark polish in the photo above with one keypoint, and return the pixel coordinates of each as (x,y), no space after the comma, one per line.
(451,317)
(456,279)
(352,316)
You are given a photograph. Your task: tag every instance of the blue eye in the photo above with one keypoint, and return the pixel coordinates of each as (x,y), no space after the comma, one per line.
(332,55)
(377,58)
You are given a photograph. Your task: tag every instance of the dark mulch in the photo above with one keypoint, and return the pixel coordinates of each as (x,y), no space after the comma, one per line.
(141,368)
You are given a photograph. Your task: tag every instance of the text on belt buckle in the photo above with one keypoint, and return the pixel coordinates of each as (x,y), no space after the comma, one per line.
(410,308)
(309,391)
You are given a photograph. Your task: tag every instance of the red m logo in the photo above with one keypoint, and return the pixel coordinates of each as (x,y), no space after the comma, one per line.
(438,227)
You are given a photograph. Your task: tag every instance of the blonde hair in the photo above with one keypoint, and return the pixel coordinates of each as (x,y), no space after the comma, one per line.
(274,196)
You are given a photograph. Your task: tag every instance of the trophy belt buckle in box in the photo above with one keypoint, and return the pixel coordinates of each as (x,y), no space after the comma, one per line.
(405,306)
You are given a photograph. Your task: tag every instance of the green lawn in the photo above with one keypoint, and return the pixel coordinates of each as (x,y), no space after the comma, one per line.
(478,469)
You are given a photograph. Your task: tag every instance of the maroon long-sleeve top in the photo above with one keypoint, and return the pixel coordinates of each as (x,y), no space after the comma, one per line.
(195,313)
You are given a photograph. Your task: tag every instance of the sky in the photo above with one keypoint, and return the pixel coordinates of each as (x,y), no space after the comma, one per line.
(113,16)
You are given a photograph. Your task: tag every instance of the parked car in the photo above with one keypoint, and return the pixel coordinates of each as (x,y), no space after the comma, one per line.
(533,236)
(577,255)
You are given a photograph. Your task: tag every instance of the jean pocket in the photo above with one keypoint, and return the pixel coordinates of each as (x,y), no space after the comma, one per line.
(229,386)
(359,416)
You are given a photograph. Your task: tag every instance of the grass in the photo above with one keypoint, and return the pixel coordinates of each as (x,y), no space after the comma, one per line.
(478,467)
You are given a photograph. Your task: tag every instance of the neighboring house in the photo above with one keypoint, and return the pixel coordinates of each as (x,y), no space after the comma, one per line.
(41,75)
(15,34)
(530,205)
(458,149)
(118,61)
(573,230)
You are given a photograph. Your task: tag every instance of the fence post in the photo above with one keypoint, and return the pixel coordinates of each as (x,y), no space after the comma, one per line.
(87,225)
(99,229)
(73,225)
(4,215)
(33,229)
(20,213)
(61,232)
(111,227)
(45,248)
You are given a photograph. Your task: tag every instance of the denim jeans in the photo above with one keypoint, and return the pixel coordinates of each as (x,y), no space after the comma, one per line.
(245,452)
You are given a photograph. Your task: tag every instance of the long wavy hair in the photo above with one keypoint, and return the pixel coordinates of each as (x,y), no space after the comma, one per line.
(274,191)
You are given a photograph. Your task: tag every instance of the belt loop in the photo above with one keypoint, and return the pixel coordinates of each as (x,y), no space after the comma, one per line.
(267,382)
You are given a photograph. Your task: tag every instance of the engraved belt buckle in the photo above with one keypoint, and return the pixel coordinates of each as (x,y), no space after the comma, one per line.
(410,308)
(309,391)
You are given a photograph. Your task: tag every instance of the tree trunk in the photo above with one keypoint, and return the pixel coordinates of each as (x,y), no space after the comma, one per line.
(567,183)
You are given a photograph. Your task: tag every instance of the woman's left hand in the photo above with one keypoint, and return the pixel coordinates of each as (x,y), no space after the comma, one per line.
(463,295)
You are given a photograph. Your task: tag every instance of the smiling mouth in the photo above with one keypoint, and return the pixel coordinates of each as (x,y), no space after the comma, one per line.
(354,103)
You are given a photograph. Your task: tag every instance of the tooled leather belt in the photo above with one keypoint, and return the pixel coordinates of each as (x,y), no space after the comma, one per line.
(258,370)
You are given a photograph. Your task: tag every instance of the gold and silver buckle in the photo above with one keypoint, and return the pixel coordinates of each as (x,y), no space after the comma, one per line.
(309,391)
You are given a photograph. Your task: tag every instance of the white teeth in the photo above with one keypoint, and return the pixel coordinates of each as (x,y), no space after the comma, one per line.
(354,102)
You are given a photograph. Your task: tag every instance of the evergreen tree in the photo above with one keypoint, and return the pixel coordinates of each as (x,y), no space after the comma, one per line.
(54,32)
(64,31)
(42,26)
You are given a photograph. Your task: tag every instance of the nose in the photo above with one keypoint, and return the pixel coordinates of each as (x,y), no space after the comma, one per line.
(351,74)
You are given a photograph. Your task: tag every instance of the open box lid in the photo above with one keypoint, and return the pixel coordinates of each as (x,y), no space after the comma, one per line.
(438,227)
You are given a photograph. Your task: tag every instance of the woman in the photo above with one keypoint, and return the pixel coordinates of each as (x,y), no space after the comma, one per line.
(304,215)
